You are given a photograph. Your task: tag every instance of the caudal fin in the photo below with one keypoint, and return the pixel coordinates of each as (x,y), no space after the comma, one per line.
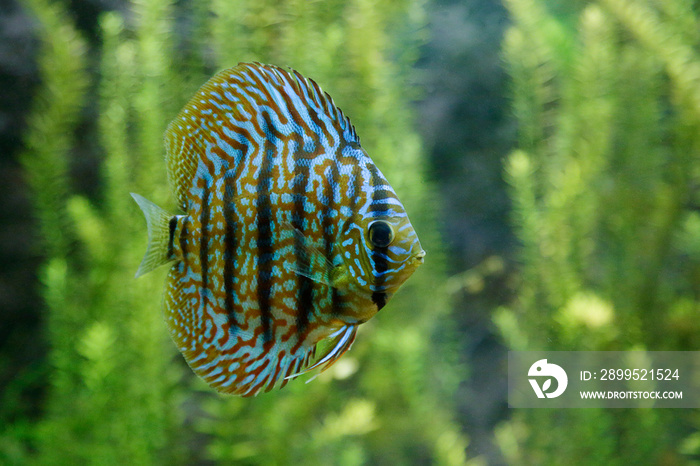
(158,223)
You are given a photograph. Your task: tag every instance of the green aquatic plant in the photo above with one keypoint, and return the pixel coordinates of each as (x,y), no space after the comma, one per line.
(111,366)
(118,392)
(604,189)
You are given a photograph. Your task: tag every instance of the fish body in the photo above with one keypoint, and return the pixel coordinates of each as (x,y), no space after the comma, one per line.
(289,234)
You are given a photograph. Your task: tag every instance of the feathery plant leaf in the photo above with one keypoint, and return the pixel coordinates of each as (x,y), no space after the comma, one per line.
(56,111)
(600,190)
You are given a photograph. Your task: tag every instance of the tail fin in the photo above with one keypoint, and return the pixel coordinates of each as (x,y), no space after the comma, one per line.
(158,223)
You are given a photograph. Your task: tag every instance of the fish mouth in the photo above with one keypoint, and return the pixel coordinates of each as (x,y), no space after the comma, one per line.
(418,257)
(411,264)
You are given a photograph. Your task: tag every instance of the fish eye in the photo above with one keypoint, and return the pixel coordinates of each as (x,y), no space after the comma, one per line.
(380,234)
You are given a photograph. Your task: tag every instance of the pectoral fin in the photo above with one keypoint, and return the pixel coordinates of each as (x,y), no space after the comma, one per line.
(311,262)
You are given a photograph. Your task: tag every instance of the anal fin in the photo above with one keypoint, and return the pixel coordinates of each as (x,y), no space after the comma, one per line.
(340,341)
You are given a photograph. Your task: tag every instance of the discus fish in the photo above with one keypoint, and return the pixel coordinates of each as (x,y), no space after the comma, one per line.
(289,234)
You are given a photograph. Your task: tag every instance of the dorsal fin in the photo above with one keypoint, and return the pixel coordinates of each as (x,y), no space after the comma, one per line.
(217,115)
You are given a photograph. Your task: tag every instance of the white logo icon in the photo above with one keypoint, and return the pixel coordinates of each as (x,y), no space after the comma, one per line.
(543,369)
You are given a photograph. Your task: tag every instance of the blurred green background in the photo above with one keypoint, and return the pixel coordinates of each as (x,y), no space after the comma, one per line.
(545,149)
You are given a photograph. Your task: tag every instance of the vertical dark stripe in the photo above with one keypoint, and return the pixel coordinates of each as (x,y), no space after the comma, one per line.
(379,298)
(229,251)
(380,265)
(265,253)
(356,187)
(265,249)
(379,262)
(327,229)
(379,193)
(184,233)
(304,284)
(171,239)
(204,241)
